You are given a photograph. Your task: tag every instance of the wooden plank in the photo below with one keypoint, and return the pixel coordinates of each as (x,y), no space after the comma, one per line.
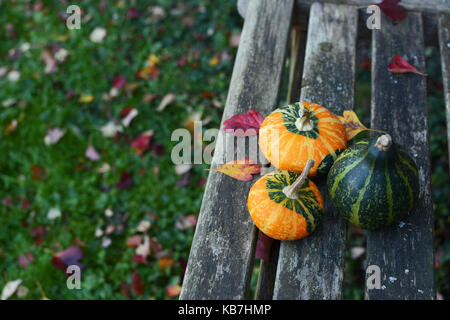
(267,270)
(222,252)
(419,5)
(312,268)
(444,42)
(403,251)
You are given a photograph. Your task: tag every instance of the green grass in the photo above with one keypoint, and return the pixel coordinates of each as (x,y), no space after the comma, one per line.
(71,182)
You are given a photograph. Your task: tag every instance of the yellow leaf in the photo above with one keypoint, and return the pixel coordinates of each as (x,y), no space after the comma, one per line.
(214,61)
(239,169)
(153,60)
(86,98)
(351,124)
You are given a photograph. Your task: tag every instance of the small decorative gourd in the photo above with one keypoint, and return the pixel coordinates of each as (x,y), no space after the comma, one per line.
(286,205)
(373,183)
(292,134)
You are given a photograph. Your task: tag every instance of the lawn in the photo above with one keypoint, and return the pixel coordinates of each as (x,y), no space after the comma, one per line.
(86,118)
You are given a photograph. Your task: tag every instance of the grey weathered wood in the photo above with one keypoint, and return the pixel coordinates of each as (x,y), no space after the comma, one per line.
(222,252)
(419,5)
(444,42)
(267,270)
(403,251)
(312,268)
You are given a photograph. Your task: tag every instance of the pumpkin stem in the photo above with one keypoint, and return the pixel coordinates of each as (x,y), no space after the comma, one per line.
(304,122)
(384,142)
(292,191)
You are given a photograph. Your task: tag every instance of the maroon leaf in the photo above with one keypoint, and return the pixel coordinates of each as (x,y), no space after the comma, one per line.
(38,234)
(141,143)
(400,65)
(119,81)
(248,123)
(184,181)
(182,61)
(137,284)
(133,13)
(157,149)
(126,181)
(263,246)
(125,111)
(392,9)
(25,259)
(140,259)
(70,256)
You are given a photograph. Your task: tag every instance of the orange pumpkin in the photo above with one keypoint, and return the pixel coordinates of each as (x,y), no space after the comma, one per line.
(285,205)
(292,134)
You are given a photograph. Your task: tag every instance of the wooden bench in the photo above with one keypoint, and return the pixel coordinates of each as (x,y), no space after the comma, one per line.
(322,70)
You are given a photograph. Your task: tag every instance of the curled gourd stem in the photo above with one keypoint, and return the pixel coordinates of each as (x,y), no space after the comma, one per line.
(384,142)
(292,191)
(304,122)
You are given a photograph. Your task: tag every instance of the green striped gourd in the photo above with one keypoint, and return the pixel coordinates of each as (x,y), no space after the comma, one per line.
(373,183)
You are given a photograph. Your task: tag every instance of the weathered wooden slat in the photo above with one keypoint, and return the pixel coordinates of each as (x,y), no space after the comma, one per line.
(403,251)
(267,270)
(444,42)
(312,268)
(419,5)
(222,252)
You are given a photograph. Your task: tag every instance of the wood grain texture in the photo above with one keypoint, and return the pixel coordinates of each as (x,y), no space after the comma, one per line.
(403,251)
(444,43)
(312,268)
(419,5)
(221,258)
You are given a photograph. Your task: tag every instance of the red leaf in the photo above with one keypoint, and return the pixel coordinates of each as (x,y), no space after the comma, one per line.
(137,284)
(37,172)
(125,111)
(119,81)
(126,181)
(182,61)
(133,13)
(140,259)
(392,9)
(400,65)
(263,246)
(141,143)
(25,259)
(251,120)
(70,256)
(38,234)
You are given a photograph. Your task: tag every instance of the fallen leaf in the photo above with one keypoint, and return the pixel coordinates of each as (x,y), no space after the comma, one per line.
(134,241)
(70,256)
(22,291)
(37,172)
(10,288)
(143,226)
(98,35)
(234,40)
(106,242)
(165,262)
(87,98)
(392,9)
(148,73)
(53,213)
(136,283)
(184,181)
(242,125)
(239,169)
(129,117)
(126,181)
(182,61)
(110,129)
(92,154)
(144,249)
(51,65)
(263,246)
(13,76)
(53,136)
(119,81)
(38,234)
(25,259)
(351,124)
(133,13)
(168,99)
(139,259)
(357,252)
(186,222)
(214,61)
(173,290)
(400,65)
(141,143)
